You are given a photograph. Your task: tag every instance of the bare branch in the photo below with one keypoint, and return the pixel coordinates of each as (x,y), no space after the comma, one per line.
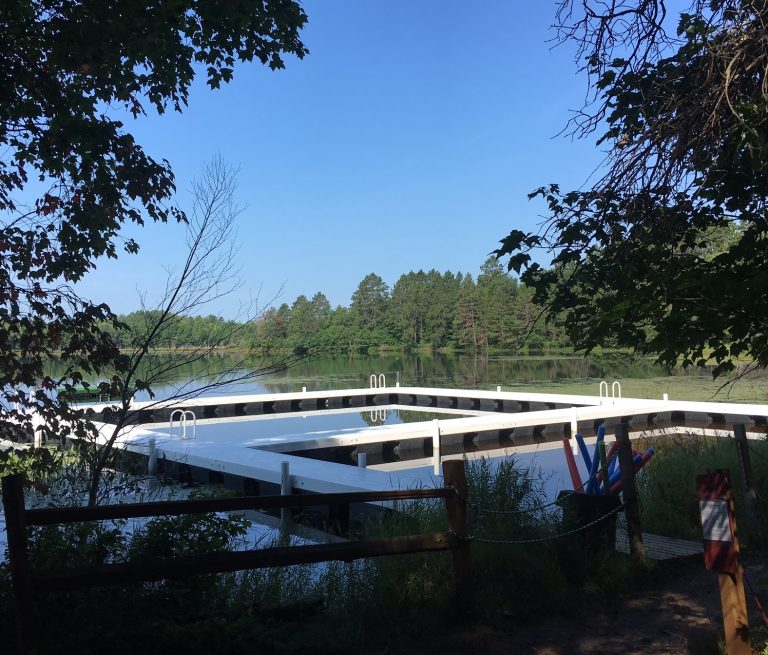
(207,274)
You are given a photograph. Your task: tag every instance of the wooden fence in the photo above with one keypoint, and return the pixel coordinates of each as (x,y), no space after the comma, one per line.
(29,585)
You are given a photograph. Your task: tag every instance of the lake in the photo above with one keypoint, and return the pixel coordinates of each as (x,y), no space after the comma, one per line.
(638,377)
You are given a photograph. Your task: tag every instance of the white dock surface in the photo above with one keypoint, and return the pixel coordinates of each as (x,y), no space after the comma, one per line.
(260,457)
(233,458)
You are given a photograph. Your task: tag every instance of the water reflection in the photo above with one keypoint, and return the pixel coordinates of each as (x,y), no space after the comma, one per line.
(457,371)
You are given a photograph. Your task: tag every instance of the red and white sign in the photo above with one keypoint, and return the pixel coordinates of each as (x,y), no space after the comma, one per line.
(721,549)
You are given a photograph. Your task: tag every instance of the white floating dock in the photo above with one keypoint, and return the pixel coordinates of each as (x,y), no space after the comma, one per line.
(234,459)
(260,458)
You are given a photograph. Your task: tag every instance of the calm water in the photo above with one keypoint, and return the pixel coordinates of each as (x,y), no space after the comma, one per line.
(638,377)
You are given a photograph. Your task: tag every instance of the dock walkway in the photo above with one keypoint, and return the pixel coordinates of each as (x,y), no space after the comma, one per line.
(254,463)
(523,417)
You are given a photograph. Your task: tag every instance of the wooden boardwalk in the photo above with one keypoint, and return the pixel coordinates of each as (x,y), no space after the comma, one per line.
(659,548)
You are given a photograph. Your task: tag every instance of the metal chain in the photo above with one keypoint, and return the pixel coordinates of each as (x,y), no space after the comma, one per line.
(548,538)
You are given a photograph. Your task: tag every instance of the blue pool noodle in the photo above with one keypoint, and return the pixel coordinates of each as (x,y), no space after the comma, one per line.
(616,476)
(611,468)
(592,486)
(584,452)
(612,463)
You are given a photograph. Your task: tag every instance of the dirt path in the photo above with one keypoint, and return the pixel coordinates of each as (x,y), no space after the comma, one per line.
(677,612)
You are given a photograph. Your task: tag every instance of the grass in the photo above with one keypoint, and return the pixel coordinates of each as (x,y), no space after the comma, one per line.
(668,484)
(693,387)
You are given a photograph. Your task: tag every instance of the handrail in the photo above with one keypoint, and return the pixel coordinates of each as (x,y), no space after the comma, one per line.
(378,382)
(184,416)
(616,385)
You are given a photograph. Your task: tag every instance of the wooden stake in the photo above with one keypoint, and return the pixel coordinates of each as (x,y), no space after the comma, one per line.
(629,493)
(735,619)
(745,467)
(721,551)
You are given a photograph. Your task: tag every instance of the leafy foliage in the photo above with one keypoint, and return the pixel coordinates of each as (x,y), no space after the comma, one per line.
(72,176)
(664,253)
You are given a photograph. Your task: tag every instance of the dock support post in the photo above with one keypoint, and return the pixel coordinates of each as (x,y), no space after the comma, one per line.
(16,527)
(285,490)
(436,456)
(458,523)
(574,430)
(745,466)
(629,493)
(362,460)
(152,460)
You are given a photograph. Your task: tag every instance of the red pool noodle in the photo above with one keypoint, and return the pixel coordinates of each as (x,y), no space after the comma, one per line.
(578,486)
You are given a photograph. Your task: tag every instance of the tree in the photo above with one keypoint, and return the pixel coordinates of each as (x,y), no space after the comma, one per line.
(272,328)
(71,176)
(206,275)
(496,297)
(441,298)
(408,308)
(469,333)
(369,302)
(632,256)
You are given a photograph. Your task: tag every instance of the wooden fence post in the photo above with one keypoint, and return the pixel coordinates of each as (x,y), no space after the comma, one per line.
(286,513)
(745,467)
(16,528)
(629,493)
(458,523)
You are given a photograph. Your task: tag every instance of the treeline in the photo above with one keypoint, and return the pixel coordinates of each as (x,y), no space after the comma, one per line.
(423,311)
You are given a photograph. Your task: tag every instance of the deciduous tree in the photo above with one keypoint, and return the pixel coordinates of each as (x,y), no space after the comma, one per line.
(72,175)
(681,103)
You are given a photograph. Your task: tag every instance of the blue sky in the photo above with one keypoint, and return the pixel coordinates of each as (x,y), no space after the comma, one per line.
(408,138)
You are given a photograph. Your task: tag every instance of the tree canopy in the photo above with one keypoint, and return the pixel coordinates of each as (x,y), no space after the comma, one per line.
(665,252)
(423,311)
(72,175)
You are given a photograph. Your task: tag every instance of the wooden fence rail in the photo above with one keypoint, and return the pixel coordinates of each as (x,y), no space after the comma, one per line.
(29,585)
